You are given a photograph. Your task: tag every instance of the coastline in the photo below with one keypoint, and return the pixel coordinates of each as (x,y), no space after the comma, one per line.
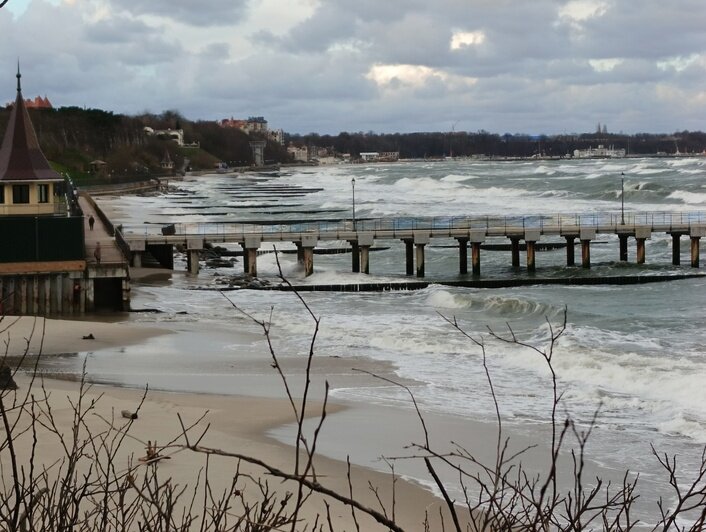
(242,423)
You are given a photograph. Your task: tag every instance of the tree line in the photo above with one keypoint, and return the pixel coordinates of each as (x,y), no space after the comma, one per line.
(73,139)
(482,143)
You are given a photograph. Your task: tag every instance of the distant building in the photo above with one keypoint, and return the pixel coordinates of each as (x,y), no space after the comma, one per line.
(298,153)
(254,124)
(380,157)
(177,135)
(601,152)
(39,103)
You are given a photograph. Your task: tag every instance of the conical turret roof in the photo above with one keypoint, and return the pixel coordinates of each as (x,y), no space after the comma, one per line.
(21,158)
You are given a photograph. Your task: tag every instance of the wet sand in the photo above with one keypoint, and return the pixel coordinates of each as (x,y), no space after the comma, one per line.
(244,423)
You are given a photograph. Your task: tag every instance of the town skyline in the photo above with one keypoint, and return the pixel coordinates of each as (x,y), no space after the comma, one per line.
(549,67)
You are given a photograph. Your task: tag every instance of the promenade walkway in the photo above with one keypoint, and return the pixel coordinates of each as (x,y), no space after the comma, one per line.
(110,252)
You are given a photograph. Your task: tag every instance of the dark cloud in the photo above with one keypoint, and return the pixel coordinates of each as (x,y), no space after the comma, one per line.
(540,66)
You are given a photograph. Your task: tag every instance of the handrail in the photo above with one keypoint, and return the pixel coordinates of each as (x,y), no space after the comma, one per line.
(492,225)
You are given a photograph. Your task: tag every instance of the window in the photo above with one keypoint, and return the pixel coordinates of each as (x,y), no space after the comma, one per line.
(43,193)
(2,193)
(20,193)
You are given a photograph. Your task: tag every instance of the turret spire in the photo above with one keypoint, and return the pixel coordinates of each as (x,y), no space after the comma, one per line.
(19,76)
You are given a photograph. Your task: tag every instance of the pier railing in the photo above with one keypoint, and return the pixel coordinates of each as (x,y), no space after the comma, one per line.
(554,224)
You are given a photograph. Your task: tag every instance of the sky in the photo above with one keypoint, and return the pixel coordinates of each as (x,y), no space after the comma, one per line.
(326,66)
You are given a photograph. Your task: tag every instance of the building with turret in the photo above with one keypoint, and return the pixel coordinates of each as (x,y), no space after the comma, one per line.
(43,264)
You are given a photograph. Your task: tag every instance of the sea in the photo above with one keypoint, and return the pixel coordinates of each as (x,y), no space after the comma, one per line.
(634,353)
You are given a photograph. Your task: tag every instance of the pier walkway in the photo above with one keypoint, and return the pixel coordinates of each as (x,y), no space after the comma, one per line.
(416,233)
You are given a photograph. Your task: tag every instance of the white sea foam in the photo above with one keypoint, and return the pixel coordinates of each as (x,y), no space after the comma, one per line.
(455,178)
(635,349)
(690,198)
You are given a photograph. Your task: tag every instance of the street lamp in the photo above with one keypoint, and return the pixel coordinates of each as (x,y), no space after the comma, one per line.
(622,198)
(353,187)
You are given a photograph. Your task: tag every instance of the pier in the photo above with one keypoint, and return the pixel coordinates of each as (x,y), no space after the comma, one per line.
(529,232)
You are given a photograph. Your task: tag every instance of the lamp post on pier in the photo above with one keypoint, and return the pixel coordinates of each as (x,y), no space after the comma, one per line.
(622,198)
(353,188)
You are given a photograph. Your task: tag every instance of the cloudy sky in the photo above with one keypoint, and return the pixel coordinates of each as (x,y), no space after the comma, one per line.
(531,66)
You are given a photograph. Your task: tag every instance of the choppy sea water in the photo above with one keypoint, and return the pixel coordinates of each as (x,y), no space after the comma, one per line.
(638,351)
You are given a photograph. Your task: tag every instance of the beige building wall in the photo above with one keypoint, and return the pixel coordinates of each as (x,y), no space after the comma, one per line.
(33,207)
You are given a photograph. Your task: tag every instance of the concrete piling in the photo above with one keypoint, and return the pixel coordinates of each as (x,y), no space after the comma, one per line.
(355,256)
(515,251)
(421,239)
(676,248)
(462,255)
(695,251)
(623,252)
(570,259)
(475,257)
(409,256)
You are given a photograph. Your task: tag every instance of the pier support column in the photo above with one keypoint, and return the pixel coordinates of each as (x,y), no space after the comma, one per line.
(696,233)
(355,256)
(250,247)
(532,236)
(420,259)
(531,267)
(309,243)
(462,255)
(192,261)
(308,261)
(300,253)
(642,234)
(586,234)
(475,257)
(695,251)
(570,259)
(623,243)
(586,253)
(421,239)
(365,242)
(193,247)
(515,251)
(477,237)
(137,248)
(676,248)
(250,261)
(409,256)
(640,254)
(365,259)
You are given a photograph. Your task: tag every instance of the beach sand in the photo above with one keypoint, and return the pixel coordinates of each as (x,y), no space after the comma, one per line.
(237,423)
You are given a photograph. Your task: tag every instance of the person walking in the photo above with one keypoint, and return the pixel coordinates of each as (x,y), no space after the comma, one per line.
(97,253)
(91,221)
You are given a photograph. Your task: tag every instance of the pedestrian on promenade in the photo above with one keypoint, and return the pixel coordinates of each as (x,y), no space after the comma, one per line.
(97,253)
(91,221)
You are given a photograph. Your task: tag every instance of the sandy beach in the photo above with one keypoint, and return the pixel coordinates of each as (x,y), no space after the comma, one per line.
(235,423)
